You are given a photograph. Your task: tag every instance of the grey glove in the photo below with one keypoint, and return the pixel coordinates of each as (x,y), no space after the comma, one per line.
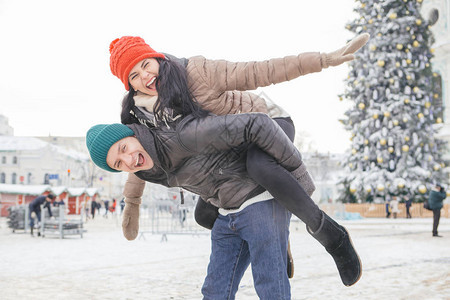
(130,219)
(345,53)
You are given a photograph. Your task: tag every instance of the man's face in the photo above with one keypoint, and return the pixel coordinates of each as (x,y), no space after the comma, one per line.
(128,155)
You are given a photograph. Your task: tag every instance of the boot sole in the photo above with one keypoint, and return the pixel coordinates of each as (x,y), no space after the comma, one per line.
(290,262)
(359,260)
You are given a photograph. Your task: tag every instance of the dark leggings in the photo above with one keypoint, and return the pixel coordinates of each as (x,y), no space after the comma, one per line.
(279,182)
(436,217)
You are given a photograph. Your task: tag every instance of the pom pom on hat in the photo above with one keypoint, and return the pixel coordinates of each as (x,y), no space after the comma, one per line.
(100,138)
(126,52)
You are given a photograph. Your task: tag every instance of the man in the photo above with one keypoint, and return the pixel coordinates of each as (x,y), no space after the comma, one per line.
(207,156)
(435,199)
(35,208)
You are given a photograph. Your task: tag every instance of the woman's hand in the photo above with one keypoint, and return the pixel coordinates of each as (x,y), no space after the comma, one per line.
(345,53)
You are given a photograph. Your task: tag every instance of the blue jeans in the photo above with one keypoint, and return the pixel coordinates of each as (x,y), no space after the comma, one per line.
(38,215)
(257,235)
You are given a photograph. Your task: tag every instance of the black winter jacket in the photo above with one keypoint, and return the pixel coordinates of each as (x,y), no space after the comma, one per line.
(207,156)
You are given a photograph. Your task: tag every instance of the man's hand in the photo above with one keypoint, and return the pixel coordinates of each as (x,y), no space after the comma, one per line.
(345,53)
(130,220)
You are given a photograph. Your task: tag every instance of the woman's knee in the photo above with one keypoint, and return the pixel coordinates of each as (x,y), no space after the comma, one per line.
(205,214)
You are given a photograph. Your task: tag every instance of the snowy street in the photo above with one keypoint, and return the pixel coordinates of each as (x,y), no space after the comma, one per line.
(401,260)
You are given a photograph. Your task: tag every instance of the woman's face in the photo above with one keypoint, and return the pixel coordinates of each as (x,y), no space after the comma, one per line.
(128,155)
(143,76)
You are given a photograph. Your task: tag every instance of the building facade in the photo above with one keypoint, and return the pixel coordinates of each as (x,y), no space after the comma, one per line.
(54,161)
(440,9)
(5,129)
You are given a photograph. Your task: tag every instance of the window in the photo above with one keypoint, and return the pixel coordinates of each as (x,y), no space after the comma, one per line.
(46,179)
(14,178)
(15,160)
(2,178)
(29,177)
(3,159)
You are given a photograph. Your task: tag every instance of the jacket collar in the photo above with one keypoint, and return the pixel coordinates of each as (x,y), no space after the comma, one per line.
(147,140)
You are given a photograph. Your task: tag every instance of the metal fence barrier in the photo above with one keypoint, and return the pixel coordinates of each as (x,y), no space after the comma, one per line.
(170,211)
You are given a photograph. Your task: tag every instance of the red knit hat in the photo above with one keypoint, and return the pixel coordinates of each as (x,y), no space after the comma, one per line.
(126,52)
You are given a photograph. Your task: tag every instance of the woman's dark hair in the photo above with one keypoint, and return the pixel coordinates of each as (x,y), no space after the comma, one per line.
(173,93)
(127,104)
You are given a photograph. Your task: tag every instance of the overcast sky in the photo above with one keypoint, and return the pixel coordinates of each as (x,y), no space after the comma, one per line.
(54,56)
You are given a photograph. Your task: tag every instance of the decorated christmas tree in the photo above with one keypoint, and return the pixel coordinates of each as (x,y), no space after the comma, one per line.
(396,107)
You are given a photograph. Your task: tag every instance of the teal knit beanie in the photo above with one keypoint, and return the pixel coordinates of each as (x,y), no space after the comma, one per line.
(101,137)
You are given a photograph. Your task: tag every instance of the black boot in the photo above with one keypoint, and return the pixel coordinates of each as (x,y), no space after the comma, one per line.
(337,242)
(31,231)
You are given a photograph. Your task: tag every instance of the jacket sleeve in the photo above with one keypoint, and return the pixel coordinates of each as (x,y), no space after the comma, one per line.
(48,207)
(133,189)
(221,75)
(214,134)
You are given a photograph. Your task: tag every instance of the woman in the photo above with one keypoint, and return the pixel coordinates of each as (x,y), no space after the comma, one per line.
(163,88)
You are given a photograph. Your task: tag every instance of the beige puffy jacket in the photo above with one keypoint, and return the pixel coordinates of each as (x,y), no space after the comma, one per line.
(220,86)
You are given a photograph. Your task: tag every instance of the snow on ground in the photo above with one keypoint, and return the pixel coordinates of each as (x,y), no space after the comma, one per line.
(401,260)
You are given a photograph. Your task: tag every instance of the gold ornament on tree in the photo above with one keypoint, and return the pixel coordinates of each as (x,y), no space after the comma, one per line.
(422,189)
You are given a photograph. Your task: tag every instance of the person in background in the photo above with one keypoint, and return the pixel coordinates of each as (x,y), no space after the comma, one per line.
(113,206)
(435,199)
(394,206)
(94,206)
(388,208)
(35,208)
(408,203)
(58,202)
(122,205)
(106,203)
